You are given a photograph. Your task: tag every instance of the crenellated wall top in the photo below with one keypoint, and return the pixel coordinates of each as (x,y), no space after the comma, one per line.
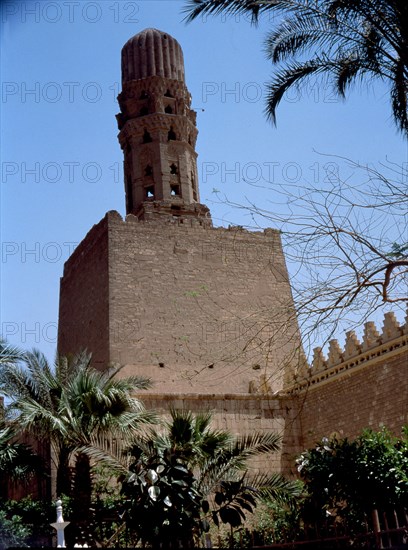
(376,344)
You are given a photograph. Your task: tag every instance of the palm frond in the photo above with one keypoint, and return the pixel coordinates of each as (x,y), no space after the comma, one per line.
(38,419)
(196,8)
(256,444)
(347,70)
(296,34)
(228,462)
(342,39)
(399,98)
(103,456)
(17,459)
(9,353)
(276,487)
(284,80)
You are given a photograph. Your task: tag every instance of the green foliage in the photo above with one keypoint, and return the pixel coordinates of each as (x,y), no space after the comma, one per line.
(188,477)
(9,354)
(12,531)
(231,499)
(163,504)
(346,480)
(340,41)
(280,522)
(399,251)
(343,481)
(71,404)
(17,461)
(26,523)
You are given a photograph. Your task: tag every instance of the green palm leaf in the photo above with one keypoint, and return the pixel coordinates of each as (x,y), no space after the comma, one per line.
(71,403)
(342,40)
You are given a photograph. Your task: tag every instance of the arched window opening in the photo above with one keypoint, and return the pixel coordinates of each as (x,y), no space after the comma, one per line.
(175,190)
(144,95)
(168,109)
(147,138)
(194,186)
(149,170)
(173,169)
(149,192)
(171,135)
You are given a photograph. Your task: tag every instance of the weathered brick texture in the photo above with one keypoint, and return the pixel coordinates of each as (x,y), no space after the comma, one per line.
(244,414)
(197,309)
(363,386)
(84,298)
(370,398)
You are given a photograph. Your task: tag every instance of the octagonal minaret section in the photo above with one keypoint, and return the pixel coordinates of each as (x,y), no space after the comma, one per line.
(158,131)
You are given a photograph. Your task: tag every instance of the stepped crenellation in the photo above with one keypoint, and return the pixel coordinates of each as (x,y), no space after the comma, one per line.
(375,343)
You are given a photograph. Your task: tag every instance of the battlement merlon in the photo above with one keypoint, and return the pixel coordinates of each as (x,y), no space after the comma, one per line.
(376,344)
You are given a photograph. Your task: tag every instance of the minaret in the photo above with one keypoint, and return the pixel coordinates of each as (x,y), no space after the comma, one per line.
(158,131)
(205,312)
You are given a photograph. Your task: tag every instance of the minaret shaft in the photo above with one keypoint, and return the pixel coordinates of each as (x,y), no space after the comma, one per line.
(158,131)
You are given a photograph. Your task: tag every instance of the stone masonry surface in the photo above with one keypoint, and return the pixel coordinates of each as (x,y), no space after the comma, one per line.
(199,310)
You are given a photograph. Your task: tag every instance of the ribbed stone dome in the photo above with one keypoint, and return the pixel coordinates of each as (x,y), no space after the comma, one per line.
(150,53)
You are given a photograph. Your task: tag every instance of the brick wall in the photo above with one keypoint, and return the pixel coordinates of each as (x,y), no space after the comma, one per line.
(240,415)
(363,386)
(207,314)
(199,310)
(370,398)
(84,298)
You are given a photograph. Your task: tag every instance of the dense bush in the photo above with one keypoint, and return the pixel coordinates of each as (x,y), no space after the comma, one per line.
(26,523)
(346,480)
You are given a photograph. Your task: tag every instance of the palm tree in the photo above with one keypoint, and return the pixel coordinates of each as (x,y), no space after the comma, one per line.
(347,41)
(190,436)
(18,463)
(71,405)
(8,353)
(186,475)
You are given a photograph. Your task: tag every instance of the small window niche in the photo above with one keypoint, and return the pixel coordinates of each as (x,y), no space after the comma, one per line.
(174,169)
(168,93)
(168,109)
(148,171)
(171,136)
(144,95)
(147,138)
(144,111)
(175,190)
(175,211)
(149,192)
(194,186)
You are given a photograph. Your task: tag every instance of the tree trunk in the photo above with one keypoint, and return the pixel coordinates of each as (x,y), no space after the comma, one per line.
(64,481)
(82,487)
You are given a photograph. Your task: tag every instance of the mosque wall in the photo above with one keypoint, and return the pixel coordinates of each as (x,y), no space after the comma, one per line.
(197,309)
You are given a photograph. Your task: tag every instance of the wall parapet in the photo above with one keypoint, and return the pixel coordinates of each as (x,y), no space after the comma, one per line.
(375,346)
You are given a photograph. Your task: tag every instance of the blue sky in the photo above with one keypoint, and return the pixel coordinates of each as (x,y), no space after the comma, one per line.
(61,161)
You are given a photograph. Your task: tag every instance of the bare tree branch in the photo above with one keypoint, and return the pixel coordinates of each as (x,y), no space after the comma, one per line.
(345,243)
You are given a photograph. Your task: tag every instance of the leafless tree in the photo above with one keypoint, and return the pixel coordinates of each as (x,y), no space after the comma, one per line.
(346,243)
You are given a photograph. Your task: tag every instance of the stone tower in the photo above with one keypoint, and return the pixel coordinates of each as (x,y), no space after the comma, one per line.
(205,312)
(158,130)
